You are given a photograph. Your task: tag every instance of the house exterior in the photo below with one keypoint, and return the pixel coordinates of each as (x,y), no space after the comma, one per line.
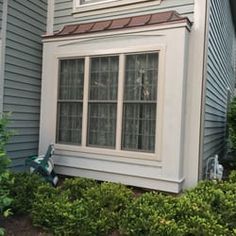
(134,92)
(21,25)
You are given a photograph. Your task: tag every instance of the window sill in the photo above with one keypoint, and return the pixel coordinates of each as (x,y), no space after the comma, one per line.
(109,152)
(92,7)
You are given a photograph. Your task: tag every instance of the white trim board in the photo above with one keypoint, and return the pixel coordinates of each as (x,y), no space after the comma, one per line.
(105,6)
(2,52)
(50,16)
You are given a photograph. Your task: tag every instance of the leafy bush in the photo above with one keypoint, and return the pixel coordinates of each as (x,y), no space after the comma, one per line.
(52,210)
(77,186)
(95,212)
(196,213)
(232,123)
(194,216)
(23,190)
(232,176)
(105,205)
(220,197)
(5,200)
(83,207)
(150,214)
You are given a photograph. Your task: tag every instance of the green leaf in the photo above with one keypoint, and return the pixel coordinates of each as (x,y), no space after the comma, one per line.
(2,232)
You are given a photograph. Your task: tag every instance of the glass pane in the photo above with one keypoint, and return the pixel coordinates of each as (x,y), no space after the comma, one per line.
(102,125)
(139,125)
(69,122)
(104,78)
(140,93)
(71,81)
(141,77)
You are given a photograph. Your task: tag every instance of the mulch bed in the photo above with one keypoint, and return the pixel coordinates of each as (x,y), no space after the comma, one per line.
(21,226)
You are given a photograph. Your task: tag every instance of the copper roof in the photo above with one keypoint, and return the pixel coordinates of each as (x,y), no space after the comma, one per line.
(168,17)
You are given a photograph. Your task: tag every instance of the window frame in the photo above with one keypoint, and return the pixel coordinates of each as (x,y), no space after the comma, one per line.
(118,151)
(59,101)
(99,101)
(105,4)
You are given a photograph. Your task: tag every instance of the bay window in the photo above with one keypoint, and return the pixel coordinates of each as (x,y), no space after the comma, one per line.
(137,118)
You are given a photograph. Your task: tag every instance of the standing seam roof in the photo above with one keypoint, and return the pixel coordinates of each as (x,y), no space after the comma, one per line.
(168,17)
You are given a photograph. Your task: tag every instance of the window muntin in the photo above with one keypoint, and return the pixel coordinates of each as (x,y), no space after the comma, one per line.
(137,119)
(70,101)
(103,101)
(139,112)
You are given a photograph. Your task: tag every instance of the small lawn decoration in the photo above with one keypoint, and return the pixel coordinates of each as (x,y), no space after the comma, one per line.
(43,165)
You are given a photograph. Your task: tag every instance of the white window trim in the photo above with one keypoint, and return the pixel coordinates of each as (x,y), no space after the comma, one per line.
(160,83)
(103,4)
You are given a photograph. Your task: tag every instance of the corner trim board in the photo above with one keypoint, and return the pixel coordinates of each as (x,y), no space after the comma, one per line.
(2,52)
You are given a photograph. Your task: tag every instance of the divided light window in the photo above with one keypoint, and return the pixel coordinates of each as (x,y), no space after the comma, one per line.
(103,101)
(70,101)
(139,89)
(139,110)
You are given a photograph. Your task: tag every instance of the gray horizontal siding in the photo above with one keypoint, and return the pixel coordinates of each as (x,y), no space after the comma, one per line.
(220,77)
(1,5)
(63,12)
(26,22)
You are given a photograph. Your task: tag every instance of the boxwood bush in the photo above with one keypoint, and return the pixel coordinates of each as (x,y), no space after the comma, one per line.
(5,179)
(76,187)
(150,214)
(220,197)
(105,204)
(23,190)
(93,210)
(85,207)
(53,210)
(232,177)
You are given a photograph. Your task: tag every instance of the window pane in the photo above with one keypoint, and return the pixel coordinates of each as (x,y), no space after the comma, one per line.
(140,93)
(102,101)
(139,122)
(69,122)
(141,77)
(71,79)
(104,78)
(102,125)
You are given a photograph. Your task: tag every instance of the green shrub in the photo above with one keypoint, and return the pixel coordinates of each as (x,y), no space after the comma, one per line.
(195,217)
(105,205)
(150,214)
(232,176)
(220,197)
(77,186)
(96,212)
(52,210)
(232,123)
(84,207)
(5,199)
(227,208)
(190,214)
(207,192)
(23,190)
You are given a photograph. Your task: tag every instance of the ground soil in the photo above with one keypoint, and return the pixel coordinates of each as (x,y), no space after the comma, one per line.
(21,226)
